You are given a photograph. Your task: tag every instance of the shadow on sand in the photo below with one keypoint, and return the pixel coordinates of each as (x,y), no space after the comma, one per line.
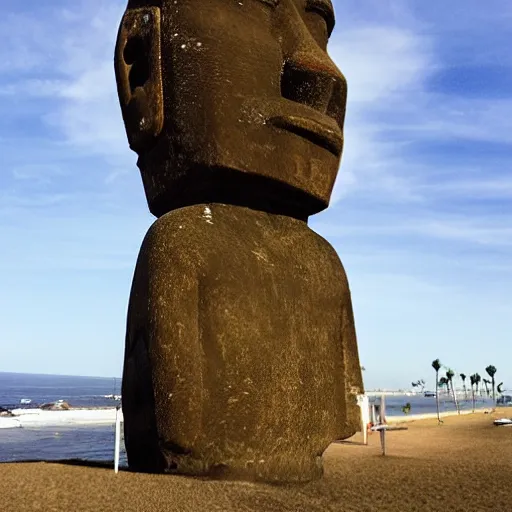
(74,462)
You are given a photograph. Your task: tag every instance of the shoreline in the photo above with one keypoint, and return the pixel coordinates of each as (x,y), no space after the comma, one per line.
(44,418)
(107,415)
(433,415)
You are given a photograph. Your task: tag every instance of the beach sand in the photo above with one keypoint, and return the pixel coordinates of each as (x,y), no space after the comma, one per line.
(463,465)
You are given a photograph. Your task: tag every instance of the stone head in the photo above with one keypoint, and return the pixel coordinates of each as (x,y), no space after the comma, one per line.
(232,101)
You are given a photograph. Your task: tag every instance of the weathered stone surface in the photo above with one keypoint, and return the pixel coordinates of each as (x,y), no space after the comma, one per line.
(241,356)
(228,101)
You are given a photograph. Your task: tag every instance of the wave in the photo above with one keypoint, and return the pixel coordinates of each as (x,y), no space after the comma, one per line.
(41,418)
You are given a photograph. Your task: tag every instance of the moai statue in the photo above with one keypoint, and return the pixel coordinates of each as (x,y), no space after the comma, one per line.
(241,357)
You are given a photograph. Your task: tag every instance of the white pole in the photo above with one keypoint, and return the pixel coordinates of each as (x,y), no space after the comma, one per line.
(365,423)
(362,401)
(117,440)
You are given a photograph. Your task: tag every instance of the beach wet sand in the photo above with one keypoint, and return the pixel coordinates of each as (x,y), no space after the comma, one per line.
(463,465)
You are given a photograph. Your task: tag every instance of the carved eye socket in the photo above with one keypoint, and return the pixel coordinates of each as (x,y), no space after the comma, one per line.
(324,9)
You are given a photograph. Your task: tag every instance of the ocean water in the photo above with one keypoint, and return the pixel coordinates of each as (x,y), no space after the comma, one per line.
(96,442)
(87,442)
(427,405)
(77,391)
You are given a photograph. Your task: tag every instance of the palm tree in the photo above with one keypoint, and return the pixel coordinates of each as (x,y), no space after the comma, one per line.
(419,383)
(449,377)
(486,384)
(437,366)
(463,378)
(472,379)
(443,381)
(491,371)
(478,379)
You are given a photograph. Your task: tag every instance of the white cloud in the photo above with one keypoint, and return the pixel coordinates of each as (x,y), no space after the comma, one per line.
(386,67)
(36,173)
(79,78)
(382,63)
(27,45)
(89,115)
(462,230)
(476,119)
(389,66)
(492,231)
(479,187)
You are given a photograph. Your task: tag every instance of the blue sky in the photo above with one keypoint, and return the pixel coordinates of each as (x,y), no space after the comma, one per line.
(421,215)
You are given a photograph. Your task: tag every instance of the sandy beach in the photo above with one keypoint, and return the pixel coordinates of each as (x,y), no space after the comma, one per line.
(463,465)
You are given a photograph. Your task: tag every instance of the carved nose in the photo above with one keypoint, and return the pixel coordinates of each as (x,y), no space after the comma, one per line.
(314,80)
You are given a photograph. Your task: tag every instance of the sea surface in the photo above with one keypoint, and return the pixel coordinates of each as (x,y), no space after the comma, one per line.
(87,442)
(96,442)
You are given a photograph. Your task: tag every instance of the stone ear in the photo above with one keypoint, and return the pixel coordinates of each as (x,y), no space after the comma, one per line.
(139,76)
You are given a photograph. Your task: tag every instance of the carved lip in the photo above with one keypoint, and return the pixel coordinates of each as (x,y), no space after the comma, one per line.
(325,132)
